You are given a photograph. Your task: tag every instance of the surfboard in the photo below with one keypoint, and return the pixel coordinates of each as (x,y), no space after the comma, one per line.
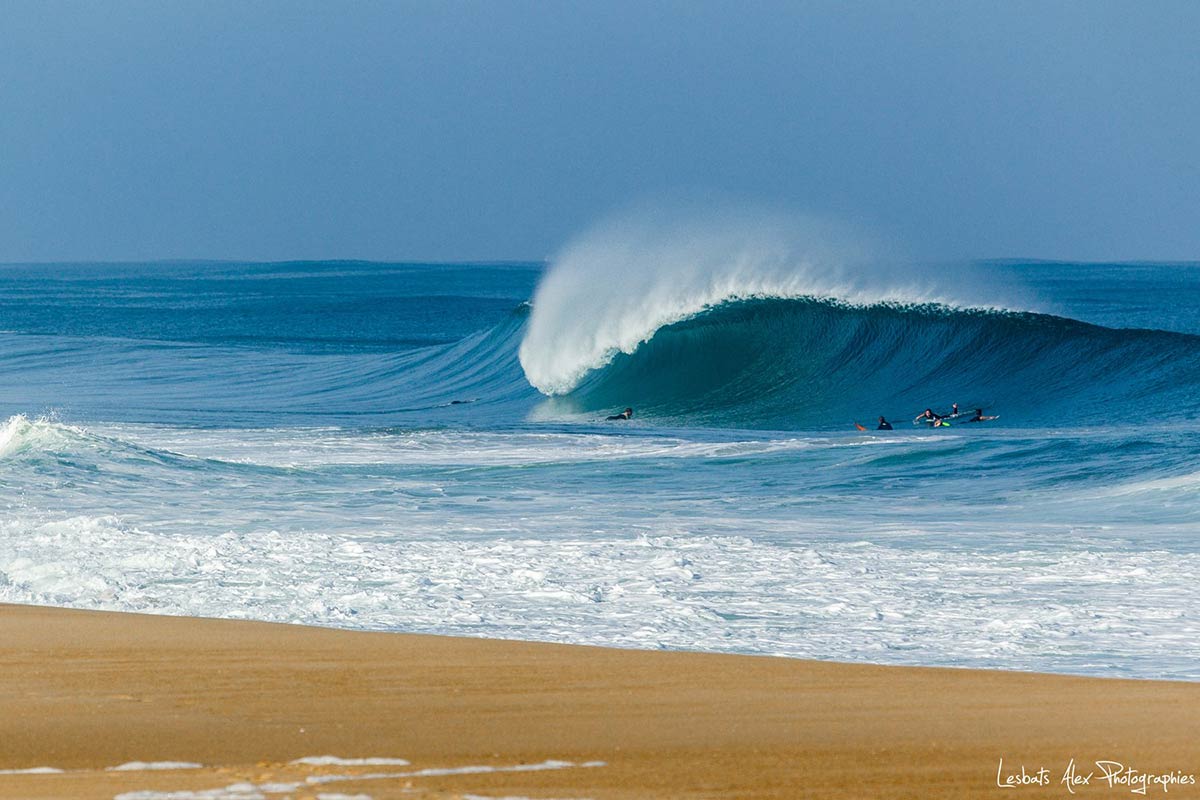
(860,427)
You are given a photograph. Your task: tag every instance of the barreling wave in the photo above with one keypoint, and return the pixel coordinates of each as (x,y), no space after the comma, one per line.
(610,291)
(772,324)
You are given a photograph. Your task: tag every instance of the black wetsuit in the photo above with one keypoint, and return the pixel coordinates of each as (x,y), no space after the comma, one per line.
(622,415)
(885,426)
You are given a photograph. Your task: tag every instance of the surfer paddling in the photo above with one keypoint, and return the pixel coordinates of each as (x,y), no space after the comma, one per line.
(929,417)
(626,414)
(979,417)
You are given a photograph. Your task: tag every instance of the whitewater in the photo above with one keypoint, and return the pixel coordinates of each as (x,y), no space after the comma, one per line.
(422,447)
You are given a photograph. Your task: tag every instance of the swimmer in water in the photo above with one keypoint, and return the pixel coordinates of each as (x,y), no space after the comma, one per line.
(626,414)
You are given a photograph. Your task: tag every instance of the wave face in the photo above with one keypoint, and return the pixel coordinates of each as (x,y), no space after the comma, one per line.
(264,344)
(788,364)
(613,289)
(769,324)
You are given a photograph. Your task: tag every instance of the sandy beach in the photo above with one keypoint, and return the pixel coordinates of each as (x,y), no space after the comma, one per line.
(85,692)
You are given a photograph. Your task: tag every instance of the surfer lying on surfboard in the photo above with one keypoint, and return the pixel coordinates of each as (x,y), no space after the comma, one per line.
(979,417)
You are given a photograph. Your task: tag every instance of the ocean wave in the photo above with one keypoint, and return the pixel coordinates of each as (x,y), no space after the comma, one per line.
(808,362)
(778,323)
(20,435)
(610,291)
(743,329)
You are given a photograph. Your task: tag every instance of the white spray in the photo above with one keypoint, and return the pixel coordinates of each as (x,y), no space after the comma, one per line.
(611,289)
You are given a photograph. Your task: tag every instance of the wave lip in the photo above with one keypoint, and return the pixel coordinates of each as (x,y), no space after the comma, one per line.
(610,291)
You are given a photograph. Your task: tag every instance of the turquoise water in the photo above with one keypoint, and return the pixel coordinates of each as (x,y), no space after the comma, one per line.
(362,445)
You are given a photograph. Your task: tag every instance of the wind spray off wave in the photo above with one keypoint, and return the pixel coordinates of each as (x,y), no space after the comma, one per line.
(610,290)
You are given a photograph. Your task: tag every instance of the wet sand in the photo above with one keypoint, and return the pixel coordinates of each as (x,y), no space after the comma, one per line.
(86,691)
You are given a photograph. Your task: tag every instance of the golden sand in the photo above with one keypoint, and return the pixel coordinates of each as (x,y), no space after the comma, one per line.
(87,691)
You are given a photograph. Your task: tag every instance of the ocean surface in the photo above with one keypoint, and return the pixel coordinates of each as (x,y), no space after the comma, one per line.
(423,448)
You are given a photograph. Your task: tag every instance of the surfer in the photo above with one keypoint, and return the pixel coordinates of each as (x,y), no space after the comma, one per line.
(884,425)
(953,411)
(928,416)
(979,417)
(626,414)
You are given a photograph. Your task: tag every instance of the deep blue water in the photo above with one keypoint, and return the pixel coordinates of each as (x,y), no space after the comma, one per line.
(362,445)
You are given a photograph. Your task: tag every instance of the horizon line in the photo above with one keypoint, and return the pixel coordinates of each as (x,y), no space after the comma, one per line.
(533,262)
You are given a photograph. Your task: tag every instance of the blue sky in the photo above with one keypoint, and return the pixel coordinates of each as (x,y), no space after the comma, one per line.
(480,130)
